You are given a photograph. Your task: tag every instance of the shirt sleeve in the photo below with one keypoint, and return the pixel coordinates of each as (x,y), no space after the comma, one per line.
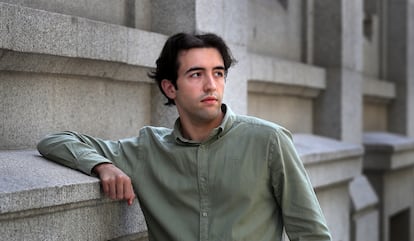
(77,151)
(301,212)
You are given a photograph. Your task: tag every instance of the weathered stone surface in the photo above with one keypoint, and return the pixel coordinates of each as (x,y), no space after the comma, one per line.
(34,105)
(389,166)
(45,201)
(328,161)
(386,151)
(60,57)
(35,31)
(114,12)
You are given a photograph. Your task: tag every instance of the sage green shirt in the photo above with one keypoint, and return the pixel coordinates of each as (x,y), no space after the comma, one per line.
(246,182)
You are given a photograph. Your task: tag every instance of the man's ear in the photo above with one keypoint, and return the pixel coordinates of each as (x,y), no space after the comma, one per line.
(168,88)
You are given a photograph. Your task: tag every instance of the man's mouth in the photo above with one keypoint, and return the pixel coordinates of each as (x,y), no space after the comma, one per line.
(209,99)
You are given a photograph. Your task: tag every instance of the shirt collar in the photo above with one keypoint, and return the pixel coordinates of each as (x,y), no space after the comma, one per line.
(216,133)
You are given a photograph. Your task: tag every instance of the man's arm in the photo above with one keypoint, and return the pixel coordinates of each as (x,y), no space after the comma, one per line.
(302,215)
(91,156)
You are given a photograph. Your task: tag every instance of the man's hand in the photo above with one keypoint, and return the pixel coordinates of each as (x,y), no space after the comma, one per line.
(115,183)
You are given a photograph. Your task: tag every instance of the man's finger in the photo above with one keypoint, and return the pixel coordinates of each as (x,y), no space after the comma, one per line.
(112,190)
(105,188)
(130,201)
(129,193)
(120,189)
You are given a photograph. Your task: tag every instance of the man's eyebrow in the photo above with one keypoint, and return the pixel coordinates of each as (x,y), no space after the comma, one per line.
(194,69)
(201,68)
(219,68)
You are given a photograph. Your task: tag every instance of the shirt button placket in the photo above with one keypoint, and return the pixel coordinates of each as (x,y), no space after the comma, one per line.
(203,189)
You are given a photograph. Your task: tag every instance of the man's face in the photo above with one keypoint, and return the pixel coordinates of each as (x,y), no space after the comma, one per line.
(200,82)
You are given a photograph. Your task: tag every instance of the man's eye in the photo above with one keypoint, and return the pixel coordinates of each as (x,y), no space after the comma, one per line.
(193,75)
(219,74)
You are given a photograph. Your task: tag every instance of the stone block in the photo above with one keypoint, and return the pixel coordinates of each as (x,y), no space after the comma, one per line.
(287,87)
(389,166)
(378,89)
(95,40)
(352,38)
(235,21)
(144,48)
(170,17)
(297,111)
(339,107)
(7,15)
(142,14)
(35,105)
(335,202)
(281,71)
(362,195)
(274,29)
(386,151)
(213,21)
(375,115)
(41,200)
(235,93)
(399,59)
(57,65)
(365,215)
(33,31)
(366,227)
(38,31)
(338,34)
(109,11)
(371,45)
(328,161)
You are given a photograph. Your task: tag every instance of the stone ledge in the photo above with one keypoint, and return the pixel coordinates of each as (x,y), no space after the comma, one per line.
(314,149)
(328,161)
(36,194)
(115,12)
(363,197)
(28,181)
(387,151)
(378,90)
(35,31)
(13,61)
(277,76)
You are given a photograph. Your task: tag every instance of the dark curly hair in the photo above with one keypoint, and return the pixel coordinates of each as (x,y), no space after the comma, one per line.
(167,63)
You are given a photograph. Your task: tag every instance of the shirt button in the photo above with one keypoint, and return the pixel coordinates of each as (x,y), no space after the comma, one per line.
(204,214)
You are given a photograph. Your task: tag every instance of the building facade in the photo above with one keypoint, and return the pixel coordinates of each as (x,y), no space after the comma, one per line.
(338,73)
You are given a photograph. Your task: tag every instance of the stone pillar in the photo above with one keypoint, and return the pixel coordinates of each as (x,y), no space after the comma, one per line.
(169,17)
(364,210)
(389,166)
(338,48)
(399,62)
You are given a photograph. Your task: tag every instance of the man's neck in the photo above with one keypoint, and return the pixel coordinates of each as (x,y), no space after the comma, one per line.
(197,131)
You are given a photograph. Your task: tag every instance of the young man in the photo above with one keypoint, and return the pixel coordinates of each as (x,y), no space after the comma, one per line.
(216,175)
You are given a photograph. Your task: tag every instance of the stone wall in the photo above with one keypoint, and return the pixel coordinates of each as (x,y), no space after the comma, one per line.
(333,72)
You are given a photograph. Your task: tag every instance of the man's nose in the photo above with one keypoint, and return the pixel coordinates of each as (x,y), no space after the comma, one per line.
(210,82)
